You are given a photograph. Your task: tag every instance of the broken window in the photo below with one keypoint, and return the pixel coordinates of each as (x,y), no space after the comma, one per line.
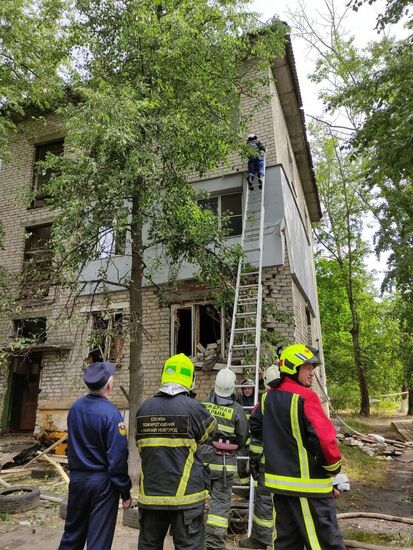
(196,324)
(33,328)
(231,206)
(111,243)
(42,176)
(106,337)
(37,262)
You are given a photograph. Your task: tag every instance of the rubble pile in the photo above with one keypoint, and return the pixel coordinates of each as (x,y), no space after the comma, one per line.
(208,358)
(378,446)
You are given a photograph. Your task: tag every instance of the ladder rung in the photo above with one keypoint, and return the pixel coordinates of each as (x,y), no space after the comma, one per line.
(249,273)
(243,346)
(254,285)
(246,314)
(245,300)
(251,229)
(246,366)
(246,329)
(252,250)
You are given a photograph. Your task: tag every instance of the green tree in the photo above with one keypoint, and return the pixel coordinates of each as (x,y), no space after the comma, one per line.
(158,87)
(381,338)
(339,235)
(371,89)
(394,10)
(32,47)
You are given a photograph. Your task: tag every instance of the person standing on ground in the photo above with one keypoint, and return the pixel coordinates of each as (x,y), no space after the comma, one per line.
(170,426)
(262,519)
(301,455)
(246,400)
(98,464)
(256,161)
(220,456)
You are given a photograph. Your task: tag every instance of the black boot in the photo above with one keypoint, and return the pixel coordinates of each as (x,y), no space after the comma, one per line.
(250,542)
(260,182)
(250,182)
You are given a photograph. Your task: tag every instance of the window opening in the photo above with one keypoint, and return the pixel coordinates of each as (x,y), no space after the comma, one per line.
(31,329)
(41,176)
(231,206)
(111,243)
(37,262)
(106,337)
(193,325)
(183,331)
(209,325)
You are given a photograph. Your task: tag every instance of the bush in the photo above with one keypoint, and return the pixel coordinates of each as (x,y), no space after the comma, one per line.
(344,396)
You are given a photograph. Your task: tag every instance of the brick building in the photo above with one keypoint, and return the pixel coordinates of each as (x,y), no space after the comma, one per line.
(38,383)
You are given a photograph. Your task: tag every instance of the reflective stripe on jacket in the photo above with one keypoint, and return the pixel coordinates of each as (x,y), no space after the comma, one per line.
(169,430)
(299,441)
(232,426)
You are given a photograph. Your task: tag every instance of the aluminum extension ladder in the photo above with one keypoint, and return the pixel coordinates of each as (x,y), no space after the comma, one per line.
(245,338)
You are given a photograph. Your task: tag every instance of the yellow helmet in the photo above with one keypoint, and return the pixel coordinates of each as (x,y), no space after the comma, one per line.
(178,369)
(296,355)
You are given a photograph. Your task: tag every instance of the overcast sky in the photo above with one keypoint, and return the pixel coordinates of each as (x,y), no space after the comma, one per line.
(361,24)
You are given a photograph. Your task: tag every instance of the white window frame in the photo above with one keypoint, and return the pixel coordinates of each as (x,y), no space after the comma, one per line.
(219,212)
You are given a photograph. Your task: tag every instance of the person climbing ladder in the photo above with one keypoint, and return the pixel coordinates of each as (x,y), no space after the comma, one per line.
(256,161)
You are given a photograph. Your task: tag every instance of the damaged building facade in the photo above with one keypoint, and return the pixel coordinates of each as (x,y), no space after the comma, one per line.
(39,382)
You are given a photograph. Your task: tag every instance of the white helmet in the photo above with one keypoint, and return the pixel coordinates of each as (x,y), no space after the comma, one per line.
(270,374)
(225,383)
(252,136)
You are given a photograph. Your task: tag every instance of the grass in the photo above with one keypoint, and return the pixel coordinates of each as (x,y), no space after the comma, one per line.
(361,467)
(378,538)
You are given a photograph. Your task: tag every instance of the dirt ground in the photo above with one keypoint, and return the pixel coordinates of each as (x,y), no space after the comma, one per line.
(41,528)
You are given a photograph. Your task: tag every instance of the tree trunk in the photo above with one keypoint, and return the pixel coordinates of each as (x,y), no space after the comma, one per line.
(410,408)
(355,336)
(135,363)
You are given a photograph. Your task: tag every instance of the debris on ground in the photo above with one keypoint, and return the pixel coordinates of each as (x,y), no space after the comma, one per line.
(378,446)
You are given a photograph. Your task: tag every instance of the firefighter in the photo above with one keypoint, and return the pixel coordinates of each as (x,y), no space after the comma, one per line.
(220,456)
(301,455)
(262,519)
(246,399)
(170,427)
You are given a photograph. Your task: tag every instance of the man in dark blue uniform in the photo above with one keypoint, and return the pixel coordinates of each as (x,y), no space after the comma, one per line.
(98,464)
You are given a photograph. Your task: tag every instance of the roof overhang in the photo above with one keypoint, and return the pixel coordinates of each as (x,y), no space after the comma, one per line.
(286,81)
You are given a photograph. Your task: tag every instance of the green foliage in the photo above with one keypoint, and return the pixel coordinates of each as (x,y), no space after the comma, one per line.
(33,46)
(394,10)
(344,396)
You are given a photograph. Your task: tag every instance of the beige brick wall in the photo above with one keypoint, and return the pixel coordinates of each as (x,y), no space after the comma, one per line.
(61,377)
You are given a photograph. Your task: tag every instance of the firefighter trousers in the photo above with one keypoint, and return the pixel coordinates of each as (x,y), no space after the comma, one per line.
(306,522)
(218,514)
(262,520)
(187,528)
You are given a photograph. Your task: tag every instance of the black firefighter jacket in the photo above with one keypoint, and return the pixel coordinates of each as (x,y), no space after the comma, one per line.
(299,441)
(169,430)
(232,427)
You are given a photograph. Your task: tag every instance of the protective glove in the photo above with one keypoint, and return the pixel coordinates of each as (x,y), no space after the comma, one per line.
(341,482)
(254,468)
